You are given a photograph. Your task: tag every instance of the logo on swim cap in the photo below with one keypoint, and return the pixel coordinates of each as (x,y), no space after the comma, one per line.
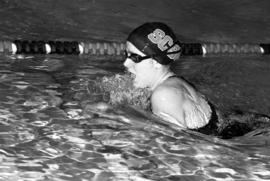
(164,42)
(156,38)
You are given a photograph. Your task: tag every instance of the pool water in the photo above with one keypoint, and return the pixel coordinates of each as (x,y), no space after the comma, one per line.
(53,126)
(47,133)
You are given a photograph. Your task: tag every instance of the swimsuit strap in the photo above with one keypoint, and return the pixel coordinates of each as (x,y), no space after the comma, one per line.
(172,76)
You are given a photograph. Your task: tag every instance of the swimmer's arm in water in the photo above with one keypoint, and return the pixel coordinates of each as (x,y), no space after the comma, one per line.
(167,103)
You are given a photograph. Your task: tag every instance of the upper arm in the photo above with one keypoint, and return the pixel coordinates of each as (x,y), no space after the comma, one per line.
(168,103)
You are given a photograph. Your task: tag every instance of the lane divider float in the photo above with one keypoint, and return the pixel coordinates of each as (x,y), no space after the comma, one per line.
(118,48)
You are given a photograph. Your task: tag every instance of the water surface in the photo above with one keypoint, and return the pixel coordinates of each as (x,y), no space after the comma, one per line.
(46,132)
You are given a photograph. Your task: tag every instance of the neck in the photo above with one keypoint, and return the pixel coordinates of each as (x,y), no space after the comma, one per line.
(161,77)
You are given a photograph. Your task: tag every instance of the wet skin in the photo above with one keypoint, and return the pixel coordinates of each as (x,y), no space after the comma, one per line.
(172,99)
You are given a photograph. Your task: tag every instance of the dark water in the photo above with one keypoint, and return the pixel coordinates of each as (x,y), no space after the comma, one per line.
(51,128)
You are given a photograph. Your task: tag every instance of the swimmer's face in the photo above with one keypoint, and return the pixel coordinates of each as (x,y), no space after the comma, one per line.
(142,70)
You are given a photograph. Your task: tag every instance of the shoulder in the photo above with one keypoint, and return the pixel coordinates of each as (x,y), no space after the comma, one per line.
(166,92)
(167,98)
(167,102)
(179,100)
(172,88)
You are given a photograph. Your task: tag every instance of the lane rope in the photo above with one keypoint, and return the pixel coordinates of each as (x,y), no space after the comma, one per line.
(118,48)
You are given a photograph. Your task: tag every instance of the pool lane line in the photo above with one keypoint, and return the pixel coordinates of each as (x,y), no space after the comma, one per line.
(118,48)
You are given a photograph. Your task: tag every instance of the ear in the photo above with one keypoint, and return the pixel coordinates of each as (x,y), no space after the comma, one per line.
(156,64)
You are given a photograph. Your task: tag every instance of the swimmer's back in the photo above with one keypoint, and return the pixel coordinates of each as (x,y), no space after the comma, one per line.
(178,102)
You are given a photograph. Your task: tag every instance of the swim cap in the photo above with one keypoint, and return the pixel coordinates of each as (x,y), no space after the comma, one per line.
(156,38)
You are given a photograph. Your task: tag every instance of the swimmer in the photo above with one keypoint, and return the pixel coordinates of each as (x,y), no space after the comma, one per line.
(150,50)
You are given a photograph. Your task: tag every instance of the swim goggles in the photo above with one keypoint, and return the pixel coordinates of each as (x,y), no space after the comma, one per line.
(138,58)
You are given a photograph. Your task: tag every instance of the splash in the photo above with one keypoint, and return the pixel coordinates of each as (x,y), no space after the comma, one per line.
(119,90)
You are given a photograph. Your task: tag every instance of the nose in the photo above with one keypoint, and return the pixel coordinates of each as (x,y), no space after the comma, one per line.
(129,64)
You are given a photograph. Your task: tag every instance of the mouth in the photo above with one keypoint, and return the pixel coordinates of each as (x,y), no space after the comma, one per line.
(130,75)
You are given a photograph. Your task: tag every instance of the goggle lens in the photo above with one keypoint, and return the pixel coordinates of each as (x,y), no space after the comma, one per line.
(135,57)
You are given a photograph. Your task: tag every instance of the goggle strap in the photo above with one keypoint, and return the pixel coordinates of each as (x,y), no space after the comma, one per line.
(164,54)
